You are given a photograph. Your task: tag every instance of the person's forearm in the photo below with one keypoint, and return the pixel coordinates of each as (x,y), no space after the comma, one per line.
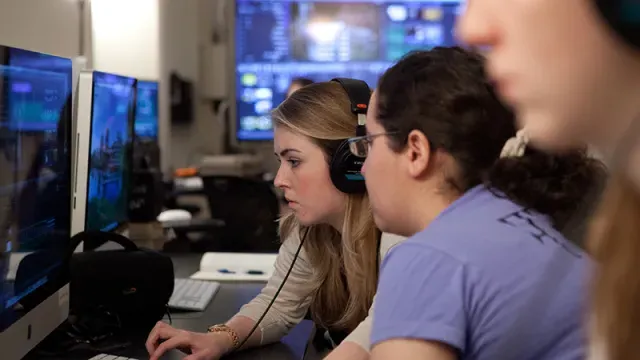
(242,325)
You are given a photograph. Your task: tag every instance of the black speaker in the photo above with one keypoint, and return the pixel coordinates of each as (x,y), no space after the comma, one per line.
(345,168)
(146,191)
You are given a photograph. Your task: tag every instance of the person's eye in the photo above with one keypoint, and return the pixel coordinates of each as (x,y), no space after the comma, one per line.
(294,162)
(367,141)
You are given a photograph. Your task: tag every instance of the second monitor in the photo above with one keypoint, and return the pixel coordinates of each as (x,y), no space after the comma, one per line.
(146,122)
(106,105)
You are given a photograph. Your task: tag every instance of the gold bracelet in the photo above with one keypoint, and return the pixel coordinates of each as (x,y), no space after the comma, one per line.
(226,329)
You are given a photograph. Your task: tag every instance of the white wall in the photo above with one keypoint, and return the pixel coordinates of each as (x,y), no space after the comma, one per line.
(149,39)
(185,28)
(126,40)
(209,15)
(179,53)
(126,37)
(50,26)
(141,38)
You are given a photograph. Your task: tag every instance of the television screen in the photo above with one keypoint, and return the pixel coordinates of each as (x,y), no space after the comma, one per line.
(277,41)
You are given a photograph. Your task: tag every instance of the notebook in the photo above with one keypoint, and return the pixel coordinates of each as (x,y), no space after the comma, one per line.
(217,266)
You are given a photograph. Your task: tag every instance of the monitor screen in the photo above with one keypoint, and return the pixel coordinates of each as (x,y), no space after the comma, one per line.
(280,40)
(35,189)
(110,144)
(146,122)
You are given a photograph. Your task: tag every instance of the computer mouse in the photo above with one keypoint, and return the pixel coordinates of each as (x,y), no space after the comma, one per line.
(174,215)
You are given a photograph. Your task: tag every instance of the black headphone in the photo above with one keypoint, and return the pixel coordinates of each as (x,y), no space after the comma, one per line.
(345,167)
(624,18)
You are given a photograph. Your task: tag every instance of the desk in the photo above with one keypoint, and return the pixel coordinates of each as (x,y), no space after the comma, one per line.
(228,300)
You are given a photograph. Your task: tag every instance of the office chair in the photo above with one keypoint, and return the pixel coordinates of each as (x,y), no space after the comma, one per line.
(249,208)
(171,200)
(244,213)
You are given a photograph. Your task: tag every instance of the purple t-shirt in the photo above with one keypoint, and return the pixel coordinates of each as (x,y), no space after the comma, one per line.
(490,279)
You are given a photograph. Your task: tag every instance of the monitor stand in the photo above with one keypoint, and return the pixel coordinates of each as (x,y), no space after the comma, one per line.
(34,327)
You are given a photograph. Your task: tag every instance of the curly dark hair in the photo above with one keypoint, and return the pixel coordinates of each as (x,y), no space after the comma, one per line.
(446,94)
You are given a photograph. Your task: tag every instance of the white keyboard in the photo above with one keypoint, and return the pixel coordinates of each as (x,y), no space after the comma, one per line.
(194,295)
(110,357)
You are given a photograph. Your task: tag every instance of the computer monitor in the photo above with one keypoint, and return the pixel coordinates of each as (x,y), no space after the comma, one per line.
(106,105)
(146,121)
(35,197)
(277,41)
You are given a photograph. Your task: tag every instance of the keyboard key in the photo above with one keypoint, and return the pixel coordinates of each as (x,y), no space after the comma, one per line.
(110,357)
(194,295)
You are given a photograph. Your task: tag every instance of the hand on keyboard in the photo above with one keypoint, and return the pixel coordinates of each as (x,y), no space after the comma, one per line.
(200,346)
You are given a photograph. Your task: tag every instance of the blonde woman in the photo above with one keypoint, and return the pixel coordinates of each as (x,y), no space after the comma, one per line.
(334,279)
(572,71)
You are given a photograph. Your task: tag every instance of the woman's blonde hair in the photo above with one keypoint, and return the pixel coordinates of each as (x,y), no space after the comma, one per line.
(345,263)
(614,241)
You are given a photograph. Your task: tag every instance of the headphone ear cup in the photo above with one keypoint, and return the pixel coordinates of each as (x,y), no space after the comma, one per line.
(345,171)
(623,16)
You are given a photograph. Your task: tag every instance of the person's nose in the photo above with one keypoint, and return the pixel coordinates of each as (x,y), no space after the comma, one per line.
(474,26)
(280,181)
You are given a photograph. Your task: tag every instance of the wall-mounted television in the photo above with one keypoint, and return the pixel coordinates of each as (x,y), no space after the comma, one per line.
(279,40)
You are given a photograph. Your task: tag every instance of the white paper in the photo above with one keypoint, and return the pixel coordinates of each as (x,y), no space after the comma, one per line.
(235,267)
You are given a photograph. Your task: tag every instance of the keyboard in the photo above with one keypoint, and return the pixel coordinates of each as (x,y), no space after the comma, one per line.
(110,357)
(192,295)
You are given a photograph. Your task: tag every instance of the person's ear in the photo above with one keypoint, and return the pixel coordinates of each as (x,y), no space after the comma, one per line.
(418,153)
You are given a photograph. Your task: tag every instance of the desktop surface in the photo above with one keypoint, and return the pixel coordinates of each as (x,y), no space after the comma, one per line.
(279,40)
(226,303)
(110,141)
(228,300)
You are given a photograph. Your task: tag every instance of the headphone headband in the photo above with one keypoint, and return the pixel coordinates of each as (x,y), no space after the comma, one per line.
(359,95)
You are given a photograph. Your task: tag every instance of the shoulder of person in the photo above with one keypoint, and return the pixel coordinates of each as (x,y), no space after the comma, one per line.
(388,241)
(290,245)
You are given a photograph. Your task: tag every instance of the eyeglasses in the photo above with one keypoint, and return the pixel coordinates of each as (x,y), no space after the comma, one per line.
(360,145)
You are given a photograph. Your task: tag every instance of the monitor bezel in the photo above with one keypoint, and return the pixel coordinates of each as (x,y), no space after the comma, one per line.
(51,301)
(82,135)
(120,225)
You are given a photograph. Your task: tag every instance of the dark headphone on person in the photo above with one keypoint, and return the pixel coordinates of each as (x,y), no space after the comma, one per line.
(344,167)
(623,16)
